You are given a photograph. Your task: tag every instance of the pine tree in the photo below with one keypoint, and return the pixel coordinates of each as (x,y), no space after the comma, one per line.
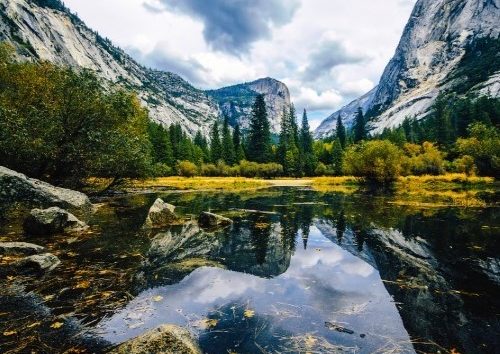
(201,142)
(293,124)
(215,144)
(259,141)
(337,157)
(228,153)
(238,145)
(308,158)
(359,127)
(341,133)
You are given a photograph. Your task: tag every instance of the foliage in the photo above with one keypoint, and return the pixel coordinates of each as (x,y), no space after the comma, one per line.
(187,169)
(228,151)
(425,159)
(259,140)
(307,156)
(215,144)
(337,158)
(360,132)
(341,132)
(377,161)
(252,169)
(238,144)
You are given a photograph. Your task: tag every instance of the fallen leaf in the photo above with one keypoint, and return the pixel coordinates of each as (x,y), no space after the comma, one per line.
(48,297)
(84,284)
(206,323)
(56,325)
(249,313)
(157,298)
(9,333)
(34,324)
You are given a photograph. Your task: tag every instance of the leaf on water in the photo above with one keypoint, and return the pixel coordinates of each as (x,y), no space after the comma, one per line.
(206,323)
(249,313)
(72,254)
(157,298)
(84,284)
(56,325)
(310,341)
(34,324)
(48,297)
(106,294)
(9,333)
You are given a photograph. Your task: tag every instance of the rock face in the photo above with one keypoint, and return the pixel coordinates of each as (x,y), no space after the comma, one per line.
(210,220)
(20,248)
(160,214)
(167,339)
(39,264)
(51,221)
(16,187)
(236,101)
(431,57)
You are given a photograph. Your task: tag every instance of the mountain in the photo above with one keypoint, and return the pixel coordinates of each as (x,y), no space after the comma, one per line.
(236,101)
(447,45)
(47,30)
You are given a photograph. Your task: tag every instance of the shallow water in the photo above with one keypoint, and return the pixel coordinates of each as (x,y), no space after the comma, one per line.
(318,272)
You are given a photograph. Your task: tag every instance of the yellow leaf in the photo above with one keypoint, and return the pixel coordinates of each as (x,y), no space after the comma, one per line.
(56,325)
(157,298)
(84,284)
(34,324)
(48,297)
(249,313)
(207,323)
(9,333)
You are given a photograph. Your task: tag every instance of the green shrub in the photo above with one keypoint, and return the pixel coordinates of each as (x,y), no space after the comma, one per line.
(377,161)
(465,164)
(187,169)
(209,170)
(321,169)
(425,159)
(162,170)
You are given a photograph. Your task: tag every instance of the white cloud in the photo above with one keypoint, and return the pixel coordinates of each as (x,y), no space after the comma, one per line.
(327,51)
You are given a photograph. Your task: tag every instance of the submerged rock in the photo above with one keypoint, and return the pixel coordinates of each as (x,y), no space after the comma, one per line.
(160,214)
(20,248)
(166,339)
(210,220)
(40,263)
(16,187)
(51,221)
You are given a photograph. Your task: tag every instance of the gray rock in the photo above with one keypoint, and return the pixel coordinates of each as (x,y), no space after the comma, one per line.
(16,187)
(20,248)
(166,339)
(52,221)
(39,264)
(160,214)
(211,220)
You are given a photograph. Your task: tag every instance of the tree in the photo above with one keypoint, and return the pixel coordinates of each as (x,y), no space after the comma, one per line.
(359,126)
(215,144)
(341,133)
(337,157)
(201,142)
(308,157)
(228,152)
(238,145)
(161,144)
(259,141)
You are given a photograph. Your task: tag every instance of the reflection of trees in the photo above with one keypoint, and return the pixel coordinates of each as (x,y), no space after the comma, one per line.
(260,231)
(289,229)
(340,226)
(305,216)
(360,234)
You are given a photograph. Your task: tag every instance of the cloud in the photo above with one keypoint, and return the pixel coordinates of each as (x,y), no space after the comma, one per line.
(312,100)
(329,54)
(232,26)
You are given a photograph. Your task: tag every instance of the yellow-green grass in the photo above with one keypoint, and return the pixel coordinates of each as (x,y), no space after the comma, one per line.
(201,183)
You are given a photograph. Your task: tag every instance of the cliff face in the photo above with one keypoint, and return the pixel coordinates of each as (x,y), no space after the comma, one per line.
(430,58)
(46,30)
(236,101)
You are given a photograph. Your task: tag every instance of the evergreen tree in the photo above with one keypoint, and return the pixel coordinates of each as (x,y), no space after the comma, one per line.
(308,158)
(228,152)
(341,133)
(288,154)
(337,157)
(293,124)
(443,123)
(161,144)
(201,142)
(259,140)
(215,144)
(238,145)
(359,127)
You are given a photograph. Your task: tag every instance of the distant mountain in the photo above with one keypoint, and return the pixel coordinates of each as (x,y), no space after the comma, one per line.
(47,30)
(447,45)
(236,101)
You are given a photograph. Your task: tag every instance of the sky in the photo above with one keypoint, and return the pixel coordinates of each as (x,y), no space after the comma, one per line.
(328,52)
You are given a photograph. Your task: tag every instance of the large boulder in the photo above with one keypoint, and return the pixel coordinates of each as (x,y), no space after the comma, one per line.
(38,264)
(20,248)
(16,187)
(160,214)
(52,221)
(211,220)
(166,339)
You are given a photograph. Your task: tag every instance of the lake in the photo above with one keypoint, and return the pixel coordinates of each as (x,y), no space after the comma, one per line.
(299,271)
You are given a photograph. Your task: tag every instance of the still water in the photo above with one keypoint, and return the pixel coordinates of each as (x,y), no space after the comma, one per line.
(299,271)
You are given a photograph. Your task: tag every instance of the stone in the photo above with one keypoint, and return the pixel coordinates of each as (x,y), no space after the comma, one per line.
(211,220)
(40,263)
(160,214)
(165,339)
(16,187)
(20,248)
(52,221)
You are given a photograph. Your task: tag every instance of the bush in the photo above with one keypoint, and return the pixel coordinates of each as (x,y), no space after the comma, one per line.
(209,170)
(187,169)
(321,170)
(377,161)
(465,164)
(162,170)
(425,159)
(253,169)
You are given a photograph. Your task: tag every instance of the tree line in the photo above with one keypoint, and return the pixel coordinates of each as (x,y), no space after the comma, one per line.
(65,126)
